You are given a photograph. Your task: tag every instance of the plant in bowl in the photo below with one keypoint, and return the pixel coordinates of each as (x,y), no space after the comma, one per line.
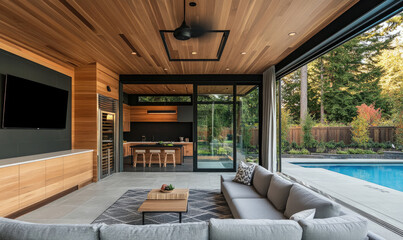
(167,188)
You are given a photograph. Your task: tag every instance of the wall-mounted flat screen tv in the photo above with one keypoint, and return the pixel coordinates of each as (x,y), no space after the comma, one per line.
(28,104)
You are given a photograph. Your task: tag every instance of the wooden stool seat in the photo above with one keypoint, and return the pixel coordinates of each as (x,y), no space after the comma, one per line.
(172,153)
(142,153)
(158,152)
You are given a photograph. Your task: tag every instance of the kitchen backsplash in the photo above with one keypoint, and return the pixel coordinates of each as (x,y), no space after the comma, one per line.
(165,131)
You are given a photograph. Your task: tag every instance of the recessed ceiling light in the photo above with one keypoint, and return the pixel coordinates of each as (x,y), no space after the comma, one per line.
(227,69)
(194,53)
(173,90)
(292,34)
(134,53)
(165,69)
(243,53)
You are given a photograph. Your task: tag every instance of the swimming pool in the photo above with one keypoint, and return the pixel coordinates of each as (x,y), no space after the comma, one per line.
(388,175)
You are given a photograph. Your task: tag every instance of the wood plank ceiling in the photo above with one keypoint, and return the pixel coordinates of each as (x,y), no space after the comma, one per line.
(78,32)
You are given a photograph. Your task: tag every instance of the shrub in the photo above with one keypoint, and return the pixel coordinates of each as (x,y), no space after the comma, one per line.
(369,151)
(308,139)
(353,145)
(302,151)
(330,145)
(399,130)
(294,145)
(360,131)
(370,114)
(340,144)
(360,151)
(388,145)
(320,149)
(293,151)
(380,151)
(342,152)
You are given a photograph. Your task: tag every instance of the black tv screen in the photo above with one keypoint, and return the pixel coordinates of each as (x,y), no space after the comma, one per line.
(29,104)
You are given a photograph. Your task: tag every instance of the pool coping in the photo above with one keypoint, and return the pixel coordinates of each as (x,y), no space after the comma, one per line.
(376,202)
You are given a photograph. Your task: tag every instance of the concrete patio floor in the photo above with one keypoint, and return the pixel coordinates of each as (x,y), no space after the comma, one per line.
(86,204)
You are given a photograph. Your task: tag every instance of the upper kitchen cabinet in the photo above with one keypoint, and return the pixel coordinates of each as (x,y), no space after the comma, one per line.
(153,113)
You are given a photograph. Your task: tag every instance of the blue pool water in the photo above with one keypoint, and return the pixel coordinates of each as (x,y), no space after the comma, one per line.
(388,175)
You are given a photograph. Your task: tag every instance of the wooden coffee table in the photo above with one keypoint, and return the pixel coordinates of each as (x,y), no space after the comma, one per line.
(165,206)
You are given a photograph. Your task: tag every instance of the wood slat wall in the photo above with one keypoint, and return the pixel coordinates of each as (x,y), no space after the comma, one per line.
(106,77)
(89,81)
(85,108)
(139,114)
(126,118)
(27,184)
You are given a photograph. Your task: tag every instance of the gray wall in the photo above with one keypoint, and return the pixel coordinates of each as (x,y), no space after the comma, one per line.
(22,142)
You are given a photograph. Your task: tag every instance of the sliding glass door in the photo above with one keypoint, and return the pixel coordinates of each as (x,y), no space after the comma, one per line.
(227,126)
(215,127)
(247,123)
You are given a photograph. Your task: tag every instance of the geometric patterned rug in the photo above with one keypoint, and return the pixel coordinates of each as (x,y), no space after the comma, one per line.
(202,205)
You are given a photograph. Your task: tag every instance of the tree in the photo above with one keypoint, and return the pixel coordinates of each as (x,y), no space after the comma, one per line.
(360,131)
(304,93)
(392,79)
(290,94)
(369,113)
(350,75)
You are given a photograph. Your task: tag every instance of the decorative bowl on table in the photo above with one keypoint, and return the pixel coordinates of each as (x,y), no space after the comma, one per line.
(165,188)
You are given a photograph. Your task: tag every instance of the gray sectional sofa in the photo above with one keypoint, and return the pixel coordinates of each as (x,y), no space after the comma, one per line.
(272,197)
(262,211)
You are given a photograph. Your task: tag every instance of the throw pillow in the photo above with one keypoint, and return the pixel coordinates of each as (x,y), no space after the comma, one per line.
(244,173)
(279,190)
(305,214)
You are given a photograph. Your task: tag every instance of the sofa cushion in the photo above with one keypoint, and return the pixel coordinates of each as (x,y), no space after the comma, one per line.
(262,229)
(17,230)
(197,231)
(302,198)
(227,178)
(305,214)
(256,208)
(347,227)
(278,192)
(237,190)
(245,173)
(261,180)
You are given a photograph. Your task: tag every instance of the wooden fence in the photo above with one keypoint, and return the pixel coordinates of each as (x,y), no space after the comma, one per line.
(337,134)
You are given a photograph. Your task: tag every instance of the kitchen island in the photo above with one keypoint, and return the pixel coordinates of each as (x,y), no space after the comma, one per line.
(155,146)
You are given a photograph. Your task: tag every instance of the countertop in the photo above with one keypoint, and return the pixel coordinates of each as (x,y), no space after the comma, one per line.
(156,146)
(7,162)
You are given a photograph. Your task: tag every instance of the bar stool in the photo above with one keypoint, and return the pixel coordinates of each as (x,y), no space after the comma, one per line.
(139,152)
(151,156)
(172,153)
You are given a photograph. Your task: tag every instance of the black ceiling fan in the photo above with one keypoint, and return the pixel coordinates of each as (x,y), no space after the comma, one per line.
(185,32)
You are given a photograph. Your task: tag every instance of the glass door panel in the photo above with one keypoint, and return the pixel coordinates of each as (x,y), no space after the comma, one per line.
(215,128)
(247,123)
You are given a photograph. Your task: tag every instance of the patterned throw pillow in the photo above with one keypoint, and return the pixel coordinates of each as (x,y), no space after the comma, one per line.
(244,173)
(305,214)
